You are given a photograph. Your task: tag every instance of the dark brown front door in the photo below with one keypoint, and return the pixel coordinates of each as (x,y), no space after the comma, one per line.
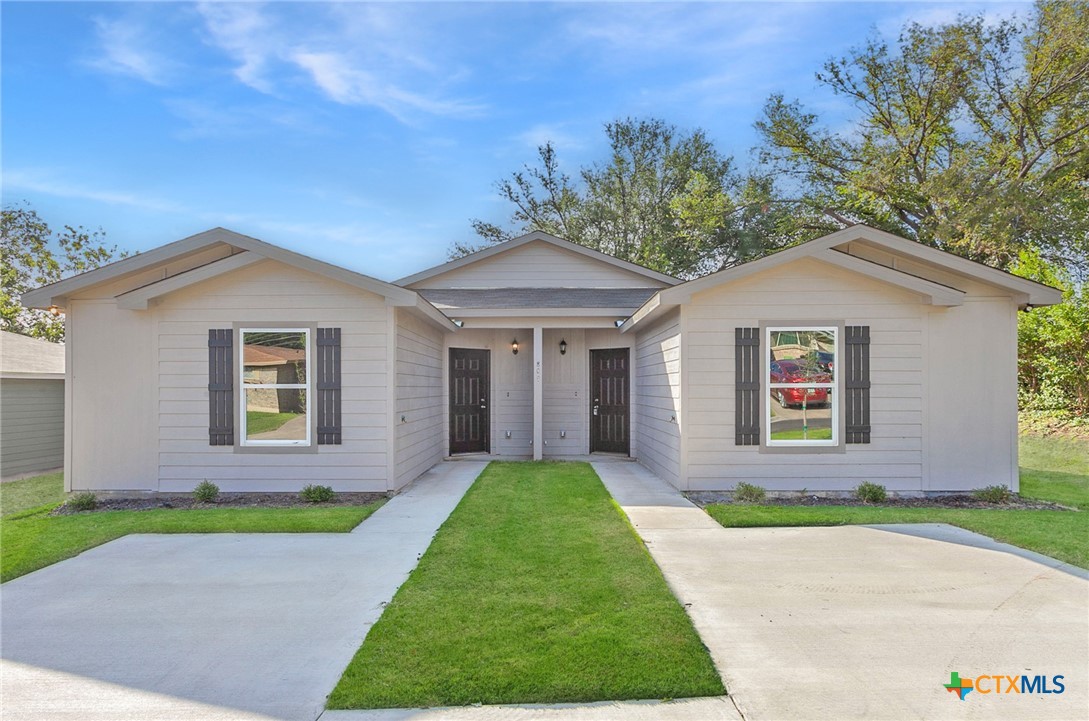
(468,400)
(609,413)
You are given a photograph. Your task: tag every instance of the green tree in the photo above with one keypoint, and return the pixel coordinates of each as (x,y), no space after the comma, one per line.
(1053,342)
(970,137)
(664,198)
(32,255)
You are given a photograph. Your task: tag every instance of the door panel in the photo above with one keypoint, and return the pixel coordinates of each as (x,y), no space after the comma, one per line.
(469,400)
(609,401)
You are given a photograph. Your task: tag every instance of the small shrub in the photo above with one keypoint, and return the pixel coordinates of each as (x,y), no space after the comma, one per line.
(83,502)
(206,492)
(993,494)
(317,494)
(871,492)
(749,493)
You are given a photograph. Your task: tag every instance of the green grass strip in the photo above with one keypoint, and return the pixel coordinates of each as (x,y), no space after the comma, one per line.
(32,539)
(535,589)
(1055,469)
(1060,534)
(27,493)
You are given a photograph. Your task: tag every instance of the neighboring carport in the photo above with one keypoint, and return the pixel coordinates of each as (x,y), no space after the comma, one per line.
(865,623)
(31,406)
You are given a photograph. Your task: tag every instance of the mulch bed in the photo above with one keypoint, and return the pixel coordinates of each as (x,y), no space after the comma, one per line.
(706,498)
(225,500)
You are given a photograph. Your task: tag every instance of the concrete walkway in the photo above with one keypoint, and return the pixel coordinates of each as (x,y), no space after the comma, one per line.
(211,626)
(865,622)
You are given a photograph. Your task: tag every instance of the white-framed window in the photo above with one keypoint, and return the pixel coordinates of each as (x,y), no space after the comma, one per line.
(274,378)
(801,371)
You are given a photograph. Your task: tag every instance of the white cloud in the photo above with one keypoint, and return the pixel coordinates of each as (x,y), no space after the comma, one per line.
(45,182)
(946,13)
(343,81)
(246,35)
(127,49)
(205,119)
(555,133)
(353,54)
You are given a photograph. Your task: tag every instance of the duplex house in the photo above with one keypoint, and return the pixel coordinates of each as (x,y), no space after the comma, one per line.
(859,356)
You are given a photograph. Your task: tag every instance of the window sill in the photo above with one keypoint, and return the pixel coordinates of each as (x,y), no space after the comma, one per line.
(299,449)
(838,448)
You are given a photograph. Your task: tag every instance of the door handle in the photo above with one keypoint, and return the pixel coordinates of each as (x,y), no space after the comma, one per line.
(483,403)
(595,410)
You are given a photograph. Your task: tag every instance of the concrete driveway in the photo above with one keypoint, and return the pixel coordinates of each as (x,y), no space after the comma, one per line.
(866,622)
(211,626)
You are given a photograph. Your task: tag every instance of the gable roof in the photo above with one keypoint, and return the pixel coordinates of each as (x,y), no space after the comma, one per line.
(827,249)
(24,357)
(542,237)
(251,250)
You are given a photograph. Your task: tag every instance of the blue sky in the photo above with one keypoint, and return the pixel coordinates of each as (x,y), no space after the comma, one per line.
(369,134)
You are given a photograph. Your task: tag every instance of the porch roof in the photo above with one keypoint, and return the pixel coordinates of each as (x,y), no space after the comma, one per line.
(446,299)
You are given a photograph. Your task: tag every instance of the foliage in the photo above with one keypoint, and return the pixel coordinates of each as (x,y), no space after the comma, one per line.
(33,255)
(972,137)
(993,494)
(869,492)
(535,589)
(206,492)
(317,494)
(1053,343)
(664,198)
(749,493)
(83,502)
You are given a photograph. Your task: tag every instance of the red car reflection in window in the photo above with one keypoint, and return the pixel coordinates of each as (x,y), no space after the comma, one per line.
(788,371)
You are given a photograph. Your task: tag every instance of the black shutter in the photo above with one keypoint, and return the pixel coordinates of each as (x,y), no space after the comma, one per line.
(328,380)
(856,376)
(747,386)
(221,387)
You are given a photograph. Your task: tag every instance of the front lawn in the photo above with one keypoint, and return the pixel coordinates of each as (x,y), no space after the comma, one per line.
(1052,469)
(16,496)
(32,539)
(535,589)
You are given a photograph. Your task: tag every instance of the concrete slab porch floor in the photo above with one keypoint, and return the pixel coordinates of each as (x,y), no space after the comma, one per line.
(211,626)
(865,622)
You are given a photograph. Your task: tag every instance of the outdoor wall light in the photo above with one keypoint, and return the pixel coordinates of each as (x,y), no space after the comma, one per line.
(563,347)
(54,310)
(514,346)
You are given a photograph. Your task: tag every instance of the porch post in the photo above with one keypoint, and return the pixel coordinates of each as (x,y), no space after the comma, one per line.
(538,393)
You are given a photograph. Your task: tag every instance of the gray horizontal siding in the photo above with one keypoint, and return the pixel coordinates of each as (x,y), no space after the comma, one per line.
(31,426)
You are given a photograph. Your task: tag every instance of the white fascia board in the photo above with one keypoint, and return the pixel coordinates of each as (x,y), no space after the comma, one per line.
(935,293)
(1032,292)
(647,310)
(434,315)
(57,293)
(397,296)
(141,298)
